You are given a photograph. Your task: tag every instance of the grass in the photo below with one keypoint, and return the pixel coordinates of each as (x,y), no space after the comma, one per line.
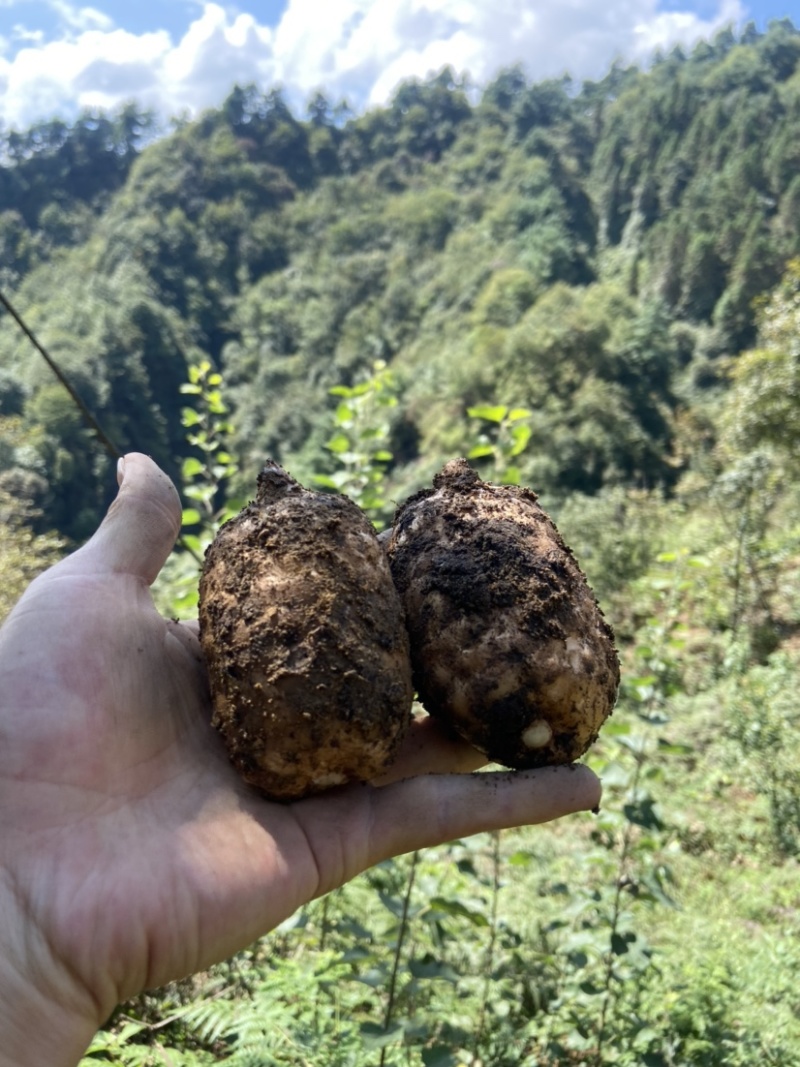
(488,970)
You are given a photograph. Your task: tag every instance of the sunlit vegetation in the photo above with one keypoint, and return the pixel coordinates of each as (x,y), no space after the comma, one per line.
(593,290)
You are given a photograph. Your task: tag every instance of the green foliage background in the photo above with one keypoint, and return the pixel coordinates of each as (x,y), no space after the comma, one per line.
(591,252)
(592,290)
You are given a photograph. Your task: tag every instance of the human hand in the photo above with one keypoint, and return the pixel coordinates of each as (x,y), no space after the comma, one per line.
(130,851)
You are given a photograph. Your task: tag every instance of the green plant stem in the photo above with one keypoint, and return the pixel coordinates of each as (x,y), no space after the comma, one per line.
(398,950)
(616,911)
(325,929)
(489,960)
(186,547)
(622,870)
(325,921)
(739,565)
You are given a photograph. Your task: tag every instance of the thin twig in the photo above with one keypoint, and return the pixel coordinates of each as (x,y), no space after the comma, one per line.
(398,951)
(94,425)
(616,912)
(488,965)
(88,417)
(325,930)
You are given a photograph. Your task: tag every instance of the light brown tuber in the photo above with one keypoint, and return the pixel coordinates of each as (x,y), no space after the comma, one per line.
(303,633)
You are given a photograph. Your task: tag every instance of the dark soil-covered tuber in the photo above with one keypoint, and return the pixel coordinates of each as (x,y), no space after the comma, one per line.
(304,637)
(508,643)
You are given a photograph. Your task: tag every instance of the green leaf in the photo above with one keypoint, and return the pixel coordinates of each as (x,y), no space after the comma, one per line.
(643,681)
(102,1042)
(575,1039)
(340,478)
(521,858)
(455,907)
(654,884)
(521,435)
(643,813)
(490,412)
(191,467)
(480,450)
(393,903)
(338,444)
(616,776)
(187,604)
(362,389)
(674,749)
(190,517)
(433,969)
(439,1056)
(375,1036)
(344,414)
(645,1037)
(519,413)
(129,1030)
(637,745)
(616,728)
(620,943)
(203,493)
(231,509)
(189,417)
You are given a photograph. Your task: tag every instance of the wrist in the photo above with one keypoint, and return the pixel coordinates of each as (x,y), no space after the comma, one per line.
(45,1019)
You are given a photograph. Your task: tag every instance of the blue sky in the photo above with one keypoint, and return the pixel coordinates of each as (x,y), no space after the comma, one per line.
(179,56)
(761,11)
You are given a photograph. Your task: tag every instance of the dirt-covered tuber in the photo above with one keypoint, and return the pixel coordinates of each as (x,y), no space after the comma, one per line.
(304,637)
(508,643)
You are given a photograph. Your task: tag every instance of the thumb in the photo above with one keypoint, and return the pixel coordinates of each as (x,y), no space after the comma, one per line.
(140,527)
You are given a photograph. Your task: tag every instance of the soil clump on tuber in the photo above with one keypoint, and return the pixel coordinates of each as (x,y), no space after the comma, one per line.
(508,643)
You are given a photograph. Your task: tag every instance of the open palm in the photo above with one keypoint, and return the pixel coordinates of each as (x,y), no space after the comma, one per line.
(133,854)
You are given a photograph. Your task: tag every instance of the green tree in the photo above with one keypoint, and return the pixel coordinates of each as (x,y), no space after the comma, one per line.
(764,404)
(23,554)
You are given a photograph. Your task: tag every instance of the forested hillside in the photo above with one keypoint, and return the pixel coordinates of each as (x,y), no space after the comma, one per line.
(592,289)
(591,252)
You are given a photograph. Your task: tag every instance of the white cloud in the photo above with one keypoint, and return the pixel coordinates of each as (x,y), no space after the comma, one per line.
(97,68)
(80,18)
(355,48)
(22,34)
(670,27)
(214,54)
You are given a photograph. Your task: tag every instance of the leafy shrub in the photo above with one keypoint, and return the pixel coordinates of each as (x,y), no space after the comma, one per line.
(765,720)
(23,554)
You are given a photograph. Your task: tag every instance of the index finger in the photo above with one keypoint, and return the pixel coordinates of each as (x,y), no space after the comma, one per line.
(351,830)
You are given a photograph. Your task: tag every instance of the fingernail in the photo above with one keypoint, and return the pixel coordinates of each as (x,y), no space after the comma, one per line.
(120,470)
